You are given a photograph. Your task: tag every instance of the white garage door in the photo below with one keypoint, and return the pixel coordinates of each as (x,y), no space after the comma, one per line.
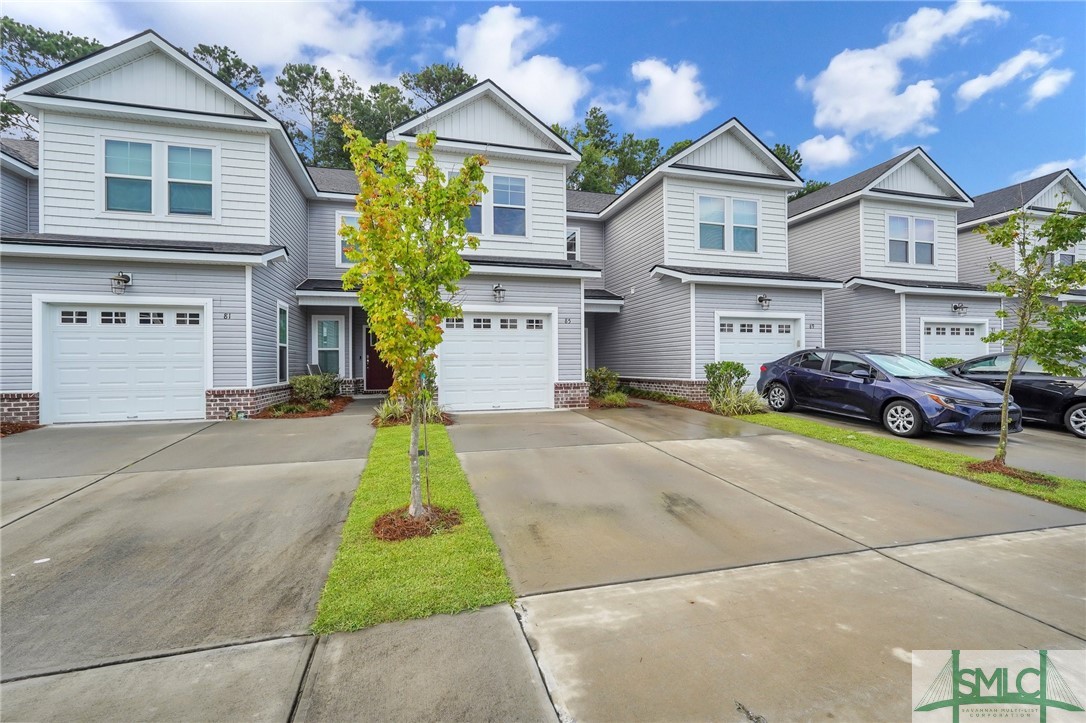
(496,361)
(755,341)
(953,339)
(122,363)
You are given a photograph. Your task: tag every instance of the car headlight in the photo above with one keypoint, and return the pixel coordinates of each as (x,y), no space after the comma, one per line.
(950,402)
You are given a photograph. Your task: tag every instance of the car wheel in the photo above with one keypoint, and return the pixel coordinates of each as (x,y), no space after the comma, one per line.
(1075,419)
(779,398)
(902,419)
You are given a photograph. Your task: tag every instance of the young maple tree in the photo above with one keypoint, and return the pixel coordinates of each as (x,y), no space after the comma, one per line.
(1036,323)
(407,264)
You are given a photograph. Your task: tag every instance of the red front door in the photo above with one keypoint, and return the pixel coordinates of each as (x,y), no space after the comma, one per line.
(378,374)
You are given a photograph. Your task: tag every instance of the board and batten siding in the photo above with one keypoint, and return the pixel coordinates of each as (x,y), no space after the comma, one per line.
(876,247)
(15,203)
(72,189)
(20,277)
(1058,193)
(565,294)
(919,307)
(650,338)
(592,248)
(484,120)
(727,152)
(323,234)
(277,282)
(742,301)
(827,246)
(682,226)
(863,318)
(912,178)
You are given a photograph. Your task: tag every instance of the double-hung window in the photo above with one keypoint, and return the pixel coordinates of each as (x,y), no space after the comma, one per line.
(711,226)
(510,206)
(573,244)
(128,176)
(727,224)
(343,219)
(911,239)
(474,221)
(190,180)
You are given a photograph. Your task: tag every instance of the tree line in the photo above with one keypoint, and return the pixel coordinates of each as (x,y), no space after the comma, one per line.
(311,98)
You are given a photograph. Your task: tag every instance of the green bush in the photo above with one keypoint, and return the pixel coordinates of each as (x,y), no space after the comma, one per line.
(279,410)
(319,405)
(735,402)
(391,411)
(946,361)
(724,377)
(601,381)
(310,387)
(614,399)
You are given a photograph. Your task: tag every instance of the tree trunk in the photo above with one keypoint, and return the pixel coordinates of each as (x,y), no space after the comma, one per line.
(416,508)
(1004,412)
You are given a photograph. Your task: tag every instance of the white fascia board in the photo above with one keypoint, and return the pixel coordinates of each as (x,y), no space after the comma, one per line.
(966,198)
(919,290)
(146,114)
(583,215)
(843,201)
(491,151)
(174,257)
(744,281)
(970,225)
(916,200)
(598,307)
(1072,298)
(485,270)
(17,167)
(739,178)
(326,298)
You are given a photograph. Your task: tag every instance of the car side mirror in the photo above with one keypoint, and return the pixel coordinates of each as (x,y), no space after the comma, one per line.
(956,372)
(865,374)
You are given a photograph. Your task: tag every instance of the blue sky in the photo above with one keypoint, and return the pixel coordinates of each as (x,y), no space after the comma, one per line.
(994,91)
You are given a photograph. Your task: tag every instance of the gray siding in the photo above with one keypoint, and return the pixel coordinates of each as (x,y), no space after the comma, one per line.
(743,300)
(863,318)
(592,248)
(827,246)
(938,307)
(323,239)
(14,203)
(278,281)
(32,209)
(651,336)
(974,256)
(21,277)
(526,291)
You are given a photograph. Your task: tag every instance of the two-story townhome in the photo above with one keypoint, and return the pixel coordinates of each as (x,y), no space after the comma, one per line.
(1039,197)
(891,232)
(695,259)
(167,255)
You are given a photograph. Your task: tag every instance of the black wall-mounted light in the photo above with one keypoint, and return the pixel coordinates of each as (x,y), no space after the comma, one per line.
(960,309)
(764,301)
(118,283)
(499,293)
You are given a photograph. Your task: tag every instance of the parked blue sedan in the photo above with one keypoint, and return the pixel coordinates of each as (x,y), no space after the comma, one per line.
(907,395)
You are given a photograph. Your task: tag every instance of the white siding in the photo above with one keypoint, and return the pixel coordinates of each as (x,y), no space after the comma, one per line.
(160,81)
(938,307)
(70,182)
(730,152)
(682,226)
(651,336)
(876,246)
(863,318)
(913,178)
(21,277)
(592,248)
(974,256)
(743,301)
(14,203)
(827,246)
(1062,191)
(484,120)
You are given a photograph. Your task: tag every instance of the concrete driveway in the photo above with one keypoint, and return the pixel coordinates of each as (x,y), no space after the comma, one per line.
(670,563)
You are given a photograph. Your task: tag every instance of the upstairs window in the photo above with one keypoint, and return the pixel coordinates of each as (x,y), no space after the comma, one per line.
(911,240)
(343,219)
(573,244)
(510,206)
(190,180)
(711,223)
(727,224)
(128,176)
(474,221)
(744,225)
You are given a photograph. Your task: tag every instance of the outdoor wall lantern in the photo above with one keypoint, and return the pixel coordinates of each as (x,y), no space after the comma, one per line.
(118,283)
(959,309)
(499,293)
(764,300)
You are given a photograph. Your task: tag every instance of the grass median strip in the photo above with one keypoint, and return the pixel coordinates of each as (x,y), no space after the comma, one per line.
(1061,490)
(372,581)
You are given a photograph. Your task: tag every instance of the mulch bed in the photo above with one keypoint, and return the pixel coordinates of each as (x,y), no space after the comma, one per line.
(9,428)
(446,419)
(594,403)
(398,525)
(338,405)
(1018,474)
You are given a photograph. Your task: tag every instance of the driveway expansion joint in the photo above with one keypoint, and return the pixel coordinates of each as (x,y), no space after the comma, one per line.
(314,643)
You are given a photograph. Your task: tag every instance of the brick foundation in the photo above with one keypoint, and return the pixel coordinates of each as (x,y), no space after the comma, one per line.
(570,395)
(225,403)
(695,391)
(20,407)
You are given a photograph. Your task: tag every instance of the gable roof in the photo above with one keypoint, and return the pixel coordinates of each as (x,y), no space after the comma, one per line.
(24,151)
(853,186)
(1004,200)
(588,201)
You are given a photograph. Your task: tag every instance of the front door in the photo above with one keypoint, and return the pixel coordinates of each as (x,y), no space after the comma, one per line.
(328,344)
(378,374)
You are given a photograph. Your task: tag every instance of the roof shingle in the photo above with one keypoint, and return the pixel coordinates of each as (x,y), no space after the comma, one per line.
(24,151)
(844,187)
(1003,200)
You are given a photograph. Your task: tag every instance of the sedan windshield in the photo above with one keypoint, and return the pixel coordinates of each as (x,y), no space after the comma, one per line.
(906,367)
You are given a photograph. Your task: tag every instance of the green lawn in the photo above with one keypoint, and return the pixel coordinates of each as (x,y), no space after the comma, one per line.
(372,581)
(1067,492)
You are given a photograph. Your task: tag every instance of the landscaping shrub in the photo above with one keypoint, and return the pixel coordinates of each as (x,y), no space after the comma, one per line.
(391,411)
(601,381)
(946,361)
(614,399)
(733,402)
(310,387)
(724,376)
(319,405)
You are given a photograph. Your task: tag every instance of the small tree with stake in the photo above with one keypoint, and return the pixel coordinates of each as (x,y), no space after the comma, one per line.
(1035,324)
(407,264)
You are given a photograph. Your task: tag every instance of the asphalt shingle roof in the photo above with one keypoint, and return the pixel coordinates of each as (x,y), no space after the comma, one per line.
(529,263)
(1007,199)
(914,284)
(745,274)
(196,247)
(601,294)
(25,151)
(334,180)
(588,201)
(844,187)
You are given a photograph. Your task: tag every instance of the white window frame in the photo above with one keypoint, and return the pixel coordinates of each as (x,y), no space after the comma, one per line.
(149,178)
(729,224)
(576,233)
(160,188)
(281,307)
(342,319)
(337,240)
(212,183)
(912,262)
(491,205)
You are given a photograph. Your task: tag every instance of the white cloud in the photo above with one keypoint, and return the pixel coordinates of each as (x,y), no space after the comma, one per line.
(821,152)
(669,96)
(498,46)
(99,20)
(860,91)
(1078,165)
(1023,65)
(1051,83)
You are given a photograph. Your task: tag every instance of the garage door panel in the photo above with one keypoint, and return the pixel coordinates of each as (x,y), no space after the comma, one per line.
(753,341)
(953,339)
